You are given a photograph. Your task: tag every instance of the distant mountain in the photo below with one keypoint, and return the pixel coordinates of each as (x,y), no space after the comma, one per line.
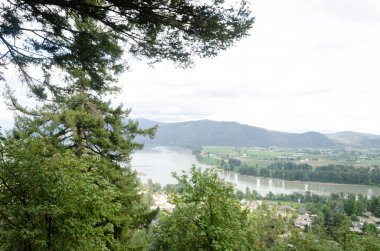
(212,133)
(356,139)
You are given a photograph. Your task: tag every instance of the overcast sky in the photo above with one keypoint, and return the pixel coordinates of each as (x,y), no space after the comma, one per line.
(308,65)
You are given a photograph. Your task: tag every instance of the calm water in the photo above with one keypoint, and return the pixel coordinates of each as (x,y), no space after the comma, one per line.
(158,162)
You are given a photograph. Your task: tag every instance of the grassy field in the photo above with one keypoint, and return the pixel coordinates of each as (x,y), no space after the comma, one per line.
(262,157)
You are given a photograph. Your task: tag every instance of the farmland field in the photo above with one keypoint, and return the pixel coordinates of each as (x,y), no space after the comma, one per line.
(262,157)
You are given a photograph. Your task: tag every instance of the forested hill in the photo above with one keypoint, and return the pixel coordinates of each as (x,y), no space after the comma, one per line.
(207,133)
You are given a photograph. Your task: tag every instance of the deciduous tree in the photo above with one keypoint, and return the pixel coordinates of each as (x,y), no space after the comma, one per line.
(207,216)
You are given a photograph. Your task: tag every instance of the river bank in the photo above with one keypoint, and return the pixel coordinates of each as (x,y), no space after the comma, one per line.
(158,162)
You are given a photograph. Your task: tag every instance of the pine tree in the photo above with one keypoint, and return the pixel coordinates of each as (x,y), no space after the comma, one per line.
(76,115)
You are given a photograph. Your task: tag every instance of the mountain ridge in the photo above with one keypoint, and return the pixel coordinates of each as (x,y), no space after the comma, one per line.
(223,133)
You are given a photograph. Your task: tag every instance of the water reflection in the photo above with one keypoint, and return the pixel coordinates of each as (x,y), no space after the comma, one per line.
(158,162)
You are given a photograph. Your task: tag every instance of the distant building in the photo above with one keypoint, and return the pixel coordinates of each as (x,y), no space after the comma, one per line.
(357,226)
(303,220)
(162,201)
(253,205)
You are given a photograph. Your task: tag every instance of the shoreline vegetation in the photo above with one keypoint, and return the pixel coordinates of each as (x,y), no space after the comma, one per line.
(313,165)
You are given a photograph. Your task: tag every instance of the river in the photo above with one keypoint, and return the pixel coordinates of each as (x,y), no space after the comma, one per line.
(158,162)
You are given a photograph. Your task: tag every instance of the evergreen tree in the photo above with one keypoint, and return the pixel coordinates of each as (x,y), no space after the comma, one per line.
(76,115)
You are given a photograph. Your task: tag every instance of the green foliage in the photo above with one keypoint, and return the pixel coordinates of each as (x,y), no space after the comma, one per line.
(299,240)
(85,124)
(207,216)
(369,229)
(264,229)
(239,195)
(53,200)
(374,205)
